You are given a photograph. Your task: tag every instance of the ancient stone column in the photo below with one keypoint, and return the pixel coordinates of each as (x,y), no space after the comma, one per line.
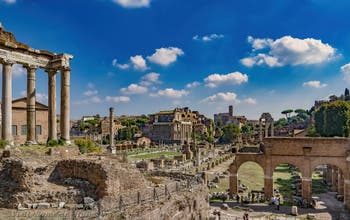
(31,121)
(6,107)
(334,179)
(306,188)
(340,183)
(111,130)
(65,105)
(347,193)
(52,134)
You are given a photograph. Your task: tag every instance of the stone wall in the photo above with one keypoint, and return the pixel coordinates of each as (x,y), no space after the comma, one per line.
(190,205)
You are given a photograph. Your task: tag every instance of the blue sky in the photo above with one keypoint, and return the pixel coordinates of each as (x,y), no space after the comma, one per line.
(142,56)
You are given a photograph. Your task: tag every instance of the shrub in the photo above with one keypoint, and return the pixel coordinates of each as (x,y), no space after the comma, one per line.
(87,146)
(52,143)
(3,144)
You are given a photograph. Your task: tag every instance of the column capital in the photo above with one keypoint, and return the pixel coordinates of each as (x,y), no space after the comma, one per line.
(51,71)
(65,68)
(30,67)
(7,61)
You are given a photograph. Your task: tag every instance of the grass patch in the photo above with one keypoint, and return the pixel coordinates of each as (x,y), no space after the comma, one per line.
(167,154)
(282,179)
(252,175)
(318,186)
(38,149)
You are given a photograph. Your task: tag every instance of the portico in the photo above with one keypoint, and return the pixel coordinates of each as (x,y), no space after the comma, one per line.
(13,52)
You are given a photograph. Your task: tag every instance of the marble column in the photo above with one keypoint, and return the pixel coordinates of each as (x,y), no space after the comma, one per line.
(111,125)
(111,130)
(65,105)
(52,134)
(6,107)
(31,119)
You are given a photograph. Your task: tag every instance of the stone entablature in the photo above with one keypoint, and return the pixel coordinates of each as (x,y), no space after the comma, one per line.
(13,52)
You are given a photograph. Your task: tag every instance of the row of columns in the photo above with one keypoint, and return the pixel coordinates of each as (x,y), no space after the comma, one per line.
(6,107)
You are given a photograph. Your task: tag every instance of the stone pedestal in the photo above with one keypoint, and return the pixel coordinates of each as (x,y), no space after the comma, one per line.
(306,185)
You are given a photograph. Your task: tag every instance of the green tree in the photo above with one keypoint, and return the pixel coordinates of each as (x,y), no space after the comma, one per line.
(332,119)
(281,123)
(247,129)
(287,113)
(230,133)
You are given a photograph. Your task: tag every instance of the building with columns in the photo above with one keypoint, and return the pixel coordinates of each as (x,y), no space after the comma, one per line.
(13,52)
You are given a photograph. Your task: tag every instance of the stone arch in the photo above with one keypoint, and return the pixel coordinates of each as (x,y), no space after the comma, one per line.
(295,161)
(237,163)
(296,181)
(341,164)
(268,121)
(335,175)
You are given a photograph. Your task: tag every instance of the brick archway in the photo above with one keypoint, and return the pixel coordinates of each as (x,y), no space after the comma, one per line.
(304,153)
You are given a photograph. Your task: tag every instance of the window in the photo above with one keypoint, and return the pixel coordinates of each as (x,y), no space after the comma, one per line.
(23,129)
(14,129)
(38,129)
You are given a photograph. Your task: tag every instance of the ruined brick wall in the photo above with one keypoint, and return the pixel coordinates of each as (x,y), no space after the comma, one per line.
(190,205)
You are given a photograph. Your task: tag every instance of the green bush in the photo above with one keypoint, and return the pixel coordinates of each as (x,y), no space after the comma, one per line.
(3,144)
(52,143)
(87,146)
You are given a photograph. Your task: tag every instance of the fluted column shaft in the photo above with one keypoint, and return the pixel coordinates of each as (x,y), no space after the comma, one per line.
(52,135)
(65,105)
(31,121)
(6,107)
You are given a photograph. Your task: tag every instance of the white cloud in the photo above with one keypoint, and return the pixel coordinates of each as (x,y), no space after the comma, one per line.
(18,71)
(120,66)
(95,99)
(117,99)
(314,84)
(165,56)
(193,84)
(139,63)
(221,97)
(134,89)
(171,93)
(9,1)
(40,97)
(346,71)
(209,37)
(250,101)
(288,51)
(90,92)
(133,3)
(214,80)
(150,78)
